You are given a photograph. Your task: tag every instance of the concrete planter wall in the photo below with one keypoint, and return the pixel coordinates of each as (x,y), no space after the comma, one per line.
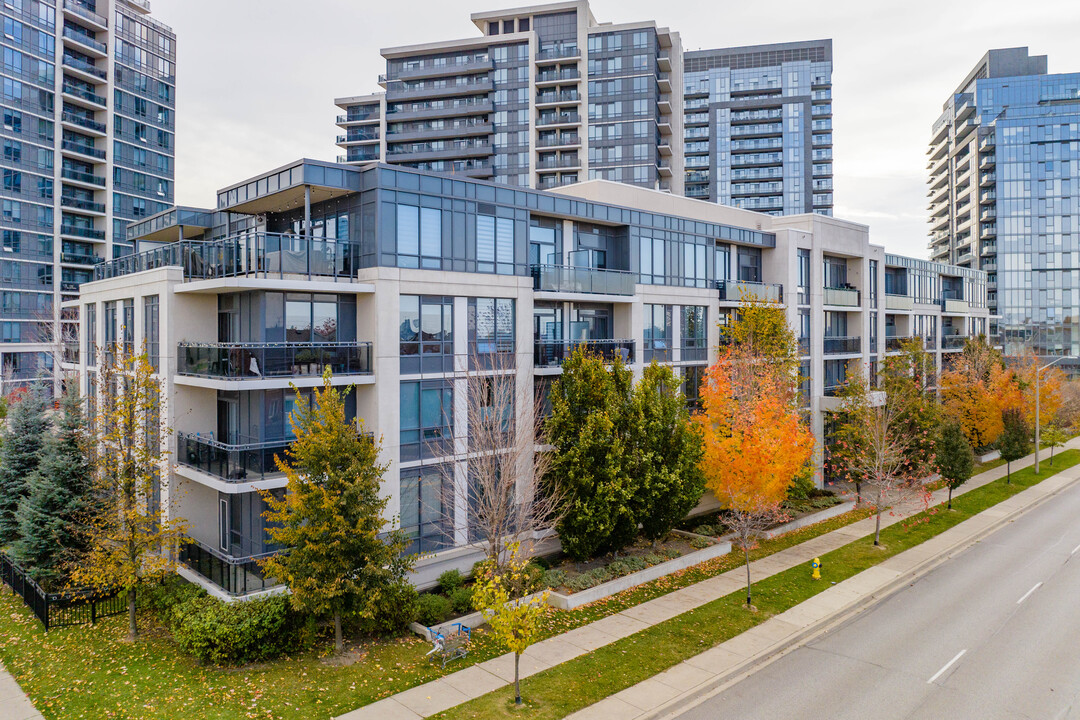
(599,592)
(992,455)
(811,519)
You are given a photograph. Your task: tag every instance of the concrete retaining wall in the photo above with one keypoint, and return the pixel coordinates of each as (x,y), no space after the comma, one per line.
(812,518)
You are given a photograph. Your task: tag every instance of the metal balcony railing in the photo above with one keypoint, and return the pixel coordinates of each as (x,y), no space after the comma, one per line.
(552,353)
(746,290)
(235,575)
(233,463)
(895,343)
(843,345)
(268,360)
(566,278)
(255,254)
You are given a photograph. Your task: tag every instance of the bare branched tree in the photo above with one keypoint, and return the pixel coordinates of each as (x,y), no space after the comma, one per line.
(502,492)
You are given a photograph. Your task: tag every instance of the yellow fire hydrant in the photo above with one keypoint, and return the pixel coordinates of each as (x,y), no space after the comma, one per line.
(815,565)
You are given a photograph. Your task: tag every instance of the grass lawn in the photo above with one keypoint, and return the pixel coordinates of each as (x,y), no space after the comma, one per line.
(590,678)
(89,672)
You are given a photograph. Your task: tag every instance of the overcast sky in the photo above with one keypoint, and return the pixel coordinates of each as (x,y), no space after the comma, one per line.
(257,78)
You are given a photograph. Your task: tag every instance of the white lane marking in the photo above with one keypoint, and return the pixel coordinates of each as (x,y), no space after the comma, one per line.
(1075,549)
(1028,593)
(948,665)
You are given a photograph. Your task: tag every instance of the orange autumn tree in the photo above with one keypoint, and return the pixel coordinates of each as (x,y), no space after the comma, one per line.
(976,389)
(1051,385)
(754,440)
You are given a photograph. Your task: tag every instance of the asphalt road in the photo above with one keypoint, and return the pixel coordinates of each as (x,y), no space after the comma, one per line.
(991,634)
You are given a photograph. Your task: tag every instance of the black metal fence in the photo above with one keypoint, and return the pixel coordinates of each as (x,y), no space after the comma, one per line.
(62,609)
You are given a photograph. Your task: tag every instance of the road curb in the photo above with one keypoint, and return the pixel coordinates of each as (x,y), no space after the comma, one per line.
(693,697)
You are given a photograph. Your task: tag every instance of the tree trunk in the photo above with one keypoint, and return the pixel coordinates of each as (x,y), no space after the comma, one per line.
(877,522)
(133,629)
(746,554)
(517,679)
(950,498)
(1051,456)
(1008,472)
(858,493)
(339,645)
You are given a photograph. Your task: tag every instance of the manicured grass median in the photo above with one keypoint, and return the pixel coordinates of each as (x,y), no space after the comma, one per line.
(590,678)
(85,672)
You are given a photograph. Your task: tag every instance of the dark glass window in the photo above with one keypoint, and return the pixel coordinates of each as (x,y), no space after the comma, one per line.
(427,509)
(426,426)
(427,333)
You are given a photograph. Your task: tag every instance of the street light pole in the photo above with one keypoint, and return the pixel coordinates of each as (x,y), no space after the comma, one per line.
(1038,397)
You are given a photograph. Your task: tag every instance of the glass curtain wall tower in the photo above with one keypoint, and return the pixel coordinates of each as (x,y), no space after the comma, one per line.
(758,127)
(88,133)
(1004,194)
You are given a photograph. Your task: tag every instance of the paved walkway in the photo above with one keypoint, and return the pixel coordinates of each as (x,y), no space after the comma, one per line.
(14,705)
(439,695)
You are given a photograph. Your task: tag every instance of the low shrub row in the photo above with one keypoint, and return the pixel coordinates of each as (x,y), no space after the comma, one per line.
(576,582)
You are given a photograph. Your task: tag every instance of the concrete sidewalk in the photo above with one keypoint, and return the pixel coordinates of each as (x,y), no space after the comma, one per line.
(14,705)
(439,695)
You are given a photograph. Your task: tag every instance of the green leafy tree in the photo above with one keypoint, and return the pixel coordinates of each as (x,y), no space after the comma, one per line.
(1015,439)
(847,441)
(761,330)
(591,466)
(1055,437)
(51,514)
(514,620)
(20,451)
(668,453)
(131,536)
(331,517)
(955,458)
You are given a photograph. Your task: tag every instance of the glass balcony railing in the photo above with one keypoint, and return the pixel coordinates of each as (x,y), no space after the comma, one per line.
(85,13)
(81,92)
(85,40)
(269,255)
(232,463)
(953,342)
(83,66)
(745,290)
(953,305)
(565,278)
(80,176)
(235,575)
(82,121)
(842,345)
(552,353)
(236,361)
(840,296)
(83,149)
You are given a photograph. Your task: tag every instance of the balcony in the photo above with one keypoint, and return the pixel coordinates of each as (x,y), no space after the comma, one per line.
(267,255)
(246,462)
(747,291)
(899,302)
(546,120)
(843,345)
(567,139)
(952,305)
(83,94)
(85,68)
(556,98)
(895,343)
(246,361)
(841,296)
(83,177)
(953,342)
(555,163)
(552,353)
(80,204)
(83,122)
(83,232)
(568,279)
(77,9)
(552,76)
(82,149)
(80,259)
(558,52)
(237,576)
(86,41)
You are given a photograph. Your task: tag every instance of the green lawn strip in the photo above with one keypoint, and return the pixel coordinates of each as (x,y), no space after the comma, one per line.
(578,683)
(89,672)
